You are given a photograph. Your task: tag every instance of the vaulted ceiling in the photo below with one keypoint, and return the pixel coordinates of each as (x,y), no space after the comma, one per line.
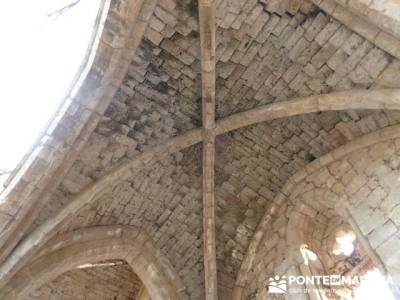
(264,53)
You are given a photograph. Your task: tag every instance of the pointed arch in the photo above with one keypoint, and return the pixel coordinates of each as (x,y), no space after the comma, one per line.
(89,245)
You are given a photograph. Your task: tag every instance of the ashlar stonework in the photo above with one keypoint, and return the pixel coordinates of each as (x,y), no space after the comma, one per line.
(228,134)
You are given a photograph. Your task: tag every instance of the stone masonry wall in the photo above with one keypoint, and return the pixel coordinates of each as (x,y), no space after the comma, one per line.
(264,57)
(159,98)
(366,180)
(256,65)
(321,236)
(254,163)
(165,201)
(106,282)
(261,58)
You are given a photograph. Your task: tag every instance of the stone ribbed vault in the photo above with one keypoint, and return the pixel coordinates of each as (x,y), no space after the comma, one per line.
(265,90)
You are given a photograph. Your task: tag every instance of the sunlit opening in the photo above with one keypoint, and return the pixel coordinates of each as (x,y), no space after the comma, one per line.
(100,264)
(344,242)
(43,46)
(307,254)
(372,287)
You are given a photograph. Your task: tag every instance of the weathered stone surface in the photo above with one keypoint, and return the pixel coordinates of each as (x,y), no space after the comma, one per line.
(262,57)
(340,59)
(113,282)
(313,214)
(164,200)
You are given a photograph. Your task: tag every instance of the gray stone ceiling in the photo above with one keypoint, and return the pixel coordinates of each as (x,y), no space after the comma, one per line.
(262,57)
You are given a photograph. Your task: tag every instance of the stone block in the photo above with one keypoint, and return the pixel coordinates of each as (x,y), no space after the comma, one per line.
(381,234)
(390,77)
(316,26)
(323,55)
(325,34)
(368,222)
(165,17)
(375,62)
(389,251)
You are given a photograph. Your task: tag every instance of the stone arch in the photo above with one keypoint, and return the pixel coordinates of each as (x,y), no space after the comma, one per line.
(41,233)
(299,227)
(359,99)
(313,219)
(340,202)
(347,100)
(305,211)
(90,245)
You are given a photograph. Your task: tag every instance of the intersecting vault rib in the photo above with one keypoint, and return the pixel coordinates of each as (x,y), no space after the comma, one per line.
(207,42)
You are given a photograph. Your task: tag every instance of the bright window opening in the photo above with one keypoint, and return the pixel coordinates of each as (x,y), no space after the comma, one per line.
(44,43)
(344,242)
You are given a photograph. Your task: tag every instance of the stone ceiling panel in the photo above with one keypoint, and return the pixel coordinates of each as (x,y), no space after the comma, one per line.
(264,57)
(165,201)
(160,98)
(254,163)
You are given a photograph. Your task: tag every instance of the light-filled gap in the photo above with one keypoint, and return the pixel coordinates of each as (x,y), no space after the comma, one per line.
(44,44)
